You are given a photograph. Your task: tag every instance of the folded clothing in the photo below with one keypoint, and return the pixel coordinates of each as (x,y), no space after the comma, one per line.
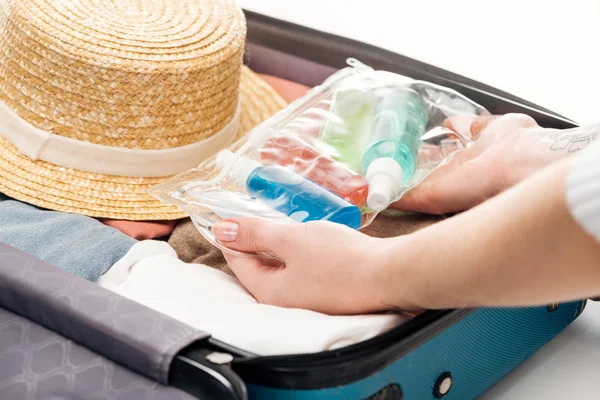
(192,247)
(288,90)
(73,242)
(142,230)
(208,299)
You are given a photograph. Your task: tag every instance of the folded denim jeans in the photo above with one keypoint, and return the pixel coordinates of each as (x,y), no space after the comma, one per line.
(76,243)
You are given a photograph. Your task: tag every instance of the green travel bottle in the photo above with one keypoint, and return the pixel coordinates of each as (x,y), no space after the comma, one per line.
(343,135)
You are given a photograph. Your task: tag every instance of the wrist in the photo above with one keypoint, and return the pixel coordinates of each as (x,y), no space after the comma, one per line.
(530,153)
(536,148)
(395,274)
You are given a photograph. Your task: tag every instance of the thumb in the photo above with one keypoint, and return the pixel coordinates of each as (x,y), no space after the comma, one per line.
(248,234)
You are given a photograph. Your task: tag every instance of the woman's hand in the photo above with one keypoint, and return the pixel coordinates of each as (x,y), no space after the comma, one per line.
(325,267)
(508,149)
(518,249)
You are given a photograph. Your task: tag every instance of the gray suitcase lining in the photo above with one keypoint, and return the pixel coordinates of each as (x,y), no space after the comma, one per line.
(126,332)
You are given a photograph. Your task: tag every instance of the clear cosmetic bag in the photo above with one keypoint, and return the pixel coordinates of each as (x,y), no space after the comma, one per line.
(343,152)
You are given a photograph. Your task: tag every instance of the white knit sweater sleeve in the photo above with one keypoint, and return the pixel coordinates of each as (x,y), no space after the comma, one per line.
(583,189)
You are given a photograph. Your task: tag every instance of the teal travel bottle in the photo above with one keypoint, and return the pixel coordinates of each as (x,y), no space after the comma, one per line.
(390,157)
(288,192)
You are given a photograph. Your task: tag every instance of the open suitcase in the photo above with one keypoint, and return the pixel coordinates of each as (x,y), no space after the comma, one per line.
(62,337)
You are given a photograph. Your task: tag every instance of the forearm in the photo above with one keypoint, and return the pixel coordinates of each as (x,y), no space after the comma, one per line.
(520,248)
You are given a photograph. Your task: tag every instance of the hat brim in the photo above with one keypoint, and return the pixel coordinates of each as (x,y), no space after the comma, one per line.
(105,196)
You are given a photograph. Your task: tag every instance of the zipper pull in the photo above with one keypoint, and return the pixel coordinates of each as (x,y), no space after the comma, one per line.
(354,63)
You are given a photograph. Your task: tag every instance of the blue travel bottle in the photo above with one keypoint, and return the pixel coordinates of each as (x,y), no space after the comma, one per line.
(288,192)
(393,143)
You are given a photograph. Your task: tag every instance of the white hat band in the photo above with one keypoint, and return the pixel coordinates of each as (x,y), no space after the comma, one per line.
(38,144)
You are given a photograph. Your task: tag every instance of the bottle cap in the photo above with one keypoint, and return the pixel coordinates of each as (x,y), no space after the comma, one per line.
(385,177)
(240,167)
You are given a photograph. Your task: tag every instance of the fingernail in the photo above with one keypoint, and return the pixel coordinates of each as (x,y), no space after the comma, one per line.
(225,231)
(462,124)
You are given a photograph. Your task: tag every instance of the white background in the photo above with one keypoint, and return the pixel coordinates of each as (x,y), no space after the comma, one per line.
(547,52)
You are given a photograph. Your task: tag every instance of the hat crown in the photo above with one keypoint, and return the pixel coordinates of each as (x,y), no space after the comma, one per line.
(138,74)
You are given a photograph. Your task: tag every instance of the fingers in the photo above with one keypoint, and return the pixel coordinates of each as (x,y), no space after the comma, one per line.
(502,127)
(460,189)
(259,276)
(480,124)
(262,277)
(418,198)
(248,234)
(469,126)
(457,185)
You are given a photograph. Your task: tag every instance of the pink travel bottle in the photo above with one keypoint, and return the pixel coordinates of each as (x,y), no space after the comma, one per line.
(307,161)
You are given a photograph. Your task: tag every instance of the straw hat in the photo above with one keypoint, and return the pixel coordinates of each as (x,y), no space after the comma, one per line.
(102,99)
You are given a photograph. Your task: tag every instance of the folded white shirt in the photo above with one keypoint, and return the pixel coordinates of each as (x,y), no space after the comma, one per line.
(210,300)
